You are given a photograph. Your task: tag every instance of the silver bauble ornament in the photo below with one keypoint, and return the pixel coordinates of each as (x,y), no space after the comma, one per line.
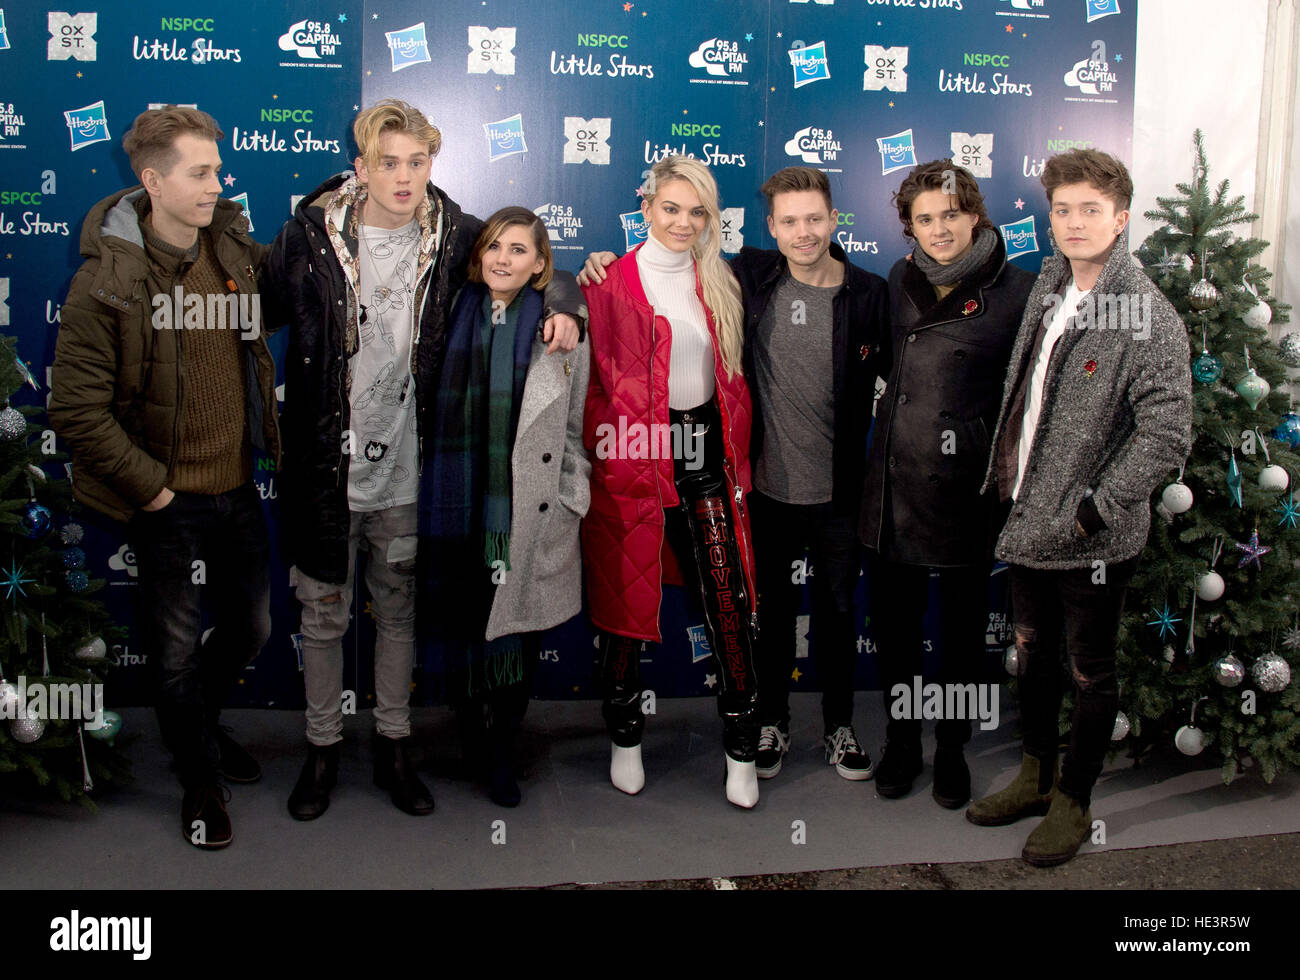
(1203,295)
(1273,477)
(1289,349)
(26,729)
(1121,729)
(92,649)
(1271,673)
(72,534)
(1177,498)
(12,423)
(1228,671)
(1258,316)
(1209,586)
(1011,661)
(1190,740)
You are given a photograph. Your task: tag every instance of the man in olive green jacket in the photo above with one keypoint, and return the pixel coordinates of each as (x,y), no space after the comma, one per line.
(162,386)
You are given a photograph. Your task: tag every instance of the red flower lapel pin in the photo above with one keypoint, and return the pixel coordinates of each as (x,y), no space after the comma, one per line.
(970,307)
(865,351)
(1089,368)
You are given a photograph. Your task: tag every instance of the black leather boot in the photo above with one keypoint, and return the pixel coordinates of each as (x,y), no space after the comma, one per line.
(621,686)
(311,794)
(740,727)
(395,773)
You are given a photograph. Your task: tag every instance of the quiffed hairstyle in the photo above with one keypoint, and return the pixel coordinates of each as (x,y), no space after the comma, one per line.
(1094,167)
(492,230)
(797,179)
(933,176)
(150,143)
(721,291)
(393,116)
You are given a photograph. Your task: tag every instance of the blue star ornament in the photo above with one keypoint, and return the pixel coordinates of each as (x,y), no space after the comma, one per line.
(1252,552)
(13,580)
(1164,621)
(1289,511)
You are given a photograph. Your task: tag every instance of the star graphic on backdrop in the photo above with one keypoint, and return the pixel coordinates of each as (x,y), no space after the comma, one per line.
(1020,205)
(1254,551)
(356,108)
(78,74)
(229,180)
(1119,57)
(14,579)
(685,111)
(710,680)
(644,14)
(891,105)
(760,122)
(779,34)
(275,95)
(374,16)
(498,88)
(1164,620)
(295,176)
(93,170)
(1010,29)
(795,674)
(1289,511)
(626,7)
(368,72)
(343,18)
(749,37)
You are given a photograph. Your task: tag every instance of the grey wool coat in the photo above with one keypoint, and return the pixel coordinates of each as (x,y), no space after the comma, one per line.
(1116,417)
(550,495)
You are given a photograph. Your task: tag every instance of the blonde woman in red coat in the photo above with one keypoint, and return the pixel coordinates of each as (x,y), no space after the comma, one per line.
(667,428)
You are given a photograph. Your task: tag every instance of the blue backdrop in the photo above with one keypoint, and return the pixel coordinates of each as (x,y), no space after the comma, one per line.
(560,108)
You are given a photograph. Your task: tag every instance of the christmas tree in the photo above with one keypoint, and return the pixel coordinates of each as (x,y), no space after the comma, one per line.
(1210,627)
(55,733)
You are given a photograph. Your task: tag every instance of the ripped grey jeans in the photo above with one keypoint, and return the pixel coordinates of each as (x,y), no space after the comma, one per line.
(388,537)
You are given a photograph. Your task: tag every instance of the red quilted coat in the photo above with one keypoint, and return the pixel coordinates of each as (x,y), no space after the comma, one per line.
(623,549)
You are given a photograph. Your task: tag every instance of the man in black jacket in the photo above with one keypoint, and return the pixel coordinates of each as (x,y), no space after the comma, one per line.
(813,325)
(955,307)
(365,274)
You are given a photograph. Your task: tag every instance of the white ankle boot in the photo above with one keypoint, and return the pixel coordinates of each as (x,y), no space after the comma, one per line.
(625,770)
(742,783)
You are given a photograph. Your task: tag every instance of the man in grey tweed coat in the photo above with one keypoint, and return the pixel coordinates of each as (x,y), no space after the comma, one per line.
(1096,412)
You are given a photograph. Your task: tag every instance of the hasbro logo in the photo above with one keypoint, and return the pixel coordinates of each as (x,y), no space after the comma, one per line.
(4,34)
(699,637)
(1098,9)
(87,125)
(635,228)
(505,137)
(408,46)
(1021,237)
(809,64)
(896,152)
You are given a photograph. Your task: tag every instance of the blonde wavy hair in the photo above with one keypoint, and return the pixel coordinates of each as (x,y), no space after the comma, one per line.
(721,291)
(393,116)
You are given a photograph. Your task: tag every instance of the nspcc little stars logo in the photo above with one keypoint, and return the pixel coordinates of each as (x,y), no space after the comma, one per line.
(809,64)
(408,46)
(87,125)
(505,137)
(491,50)
(1020,236)
(896,152)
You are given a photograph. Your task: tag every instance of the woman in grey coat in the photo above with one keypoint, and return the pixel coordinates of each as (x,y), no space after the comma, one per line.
(504,486)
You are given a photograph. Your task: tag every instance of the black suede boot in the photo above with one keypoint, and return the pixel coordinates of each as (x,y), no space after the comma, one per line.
(311,794)
(395,773)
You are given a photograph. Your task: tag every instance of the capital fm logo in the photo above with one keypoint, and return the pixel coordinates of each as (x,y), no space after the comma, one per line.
(972,151)
(313,41)
(87,125)
(71,36)
(1020,236)
(586,140)
(720,59)
(886,68)
(896,152)
(1097,9)
(814,145)
(11,125)
(491,50)
(409,46)
(733,223)
(1093,75)
(635,228)
(562,225)
(505,137)
(809,64)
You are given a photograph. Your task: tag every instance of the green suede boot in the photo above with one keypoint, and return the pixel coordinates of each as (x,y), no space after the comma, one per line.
(1029,795)
(1059,837)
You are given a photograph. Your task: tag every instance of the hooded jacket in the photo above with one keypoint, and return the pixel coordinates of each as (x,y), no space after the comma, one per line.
(1116,417)
(118,384)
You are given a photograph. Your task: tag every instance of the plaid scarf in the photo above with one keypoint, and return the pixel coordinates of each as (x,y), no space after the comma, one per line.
(465,489)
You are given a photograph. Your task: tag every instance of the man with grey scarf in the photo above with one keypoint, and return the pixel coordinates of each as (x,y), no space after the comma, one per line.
(1096,411)
(955,306)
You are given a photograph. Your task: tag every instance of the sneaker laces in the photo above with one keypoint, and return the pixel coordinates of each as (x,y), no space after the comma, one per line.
(843,742)
(771,738)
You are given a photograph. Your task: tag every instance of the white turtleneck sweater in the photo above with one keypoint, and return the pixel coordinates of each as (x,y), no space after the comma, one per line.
(668,278)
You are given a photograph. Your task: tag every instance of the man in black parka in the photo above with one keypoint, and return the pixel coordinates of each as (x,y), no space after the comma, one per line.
(955,307)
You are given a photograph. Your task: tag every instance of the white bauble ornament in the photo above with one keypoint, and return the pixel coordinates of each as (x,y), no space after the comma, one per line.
(1011,661)
(1177,498)
(1121,729)
(1190,740)
(1210,586)
(1259,315)
(1273,477)
(92,649)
